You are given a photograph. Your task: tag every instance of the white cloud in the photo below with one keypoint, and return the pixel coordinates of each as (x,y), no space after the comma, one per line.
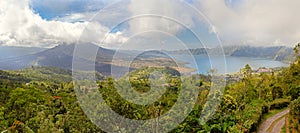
(168,8)
(255,22)
(20,26)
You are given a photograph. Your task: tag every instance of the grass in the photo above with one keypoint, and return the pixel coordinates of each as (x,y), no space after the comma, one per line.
(283,130)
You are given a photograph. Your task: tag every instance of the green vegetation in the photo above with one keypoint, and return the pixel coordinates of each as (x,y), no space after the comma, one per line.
(295,116)
(40,105)
(42,99)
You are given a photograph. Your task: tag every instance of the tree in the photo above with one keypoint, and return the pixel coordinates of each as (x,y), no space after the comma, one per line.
(276,92)
(247,80)
(296,48)
(3,123)
(246,71)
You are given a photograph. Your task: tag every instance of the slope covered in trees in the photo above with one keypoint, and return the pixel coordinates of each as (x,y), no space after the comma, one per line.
(43,99)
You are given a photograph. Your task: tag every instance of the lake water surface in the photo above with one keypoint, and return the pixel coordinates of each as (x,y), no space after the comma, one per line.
(232,64)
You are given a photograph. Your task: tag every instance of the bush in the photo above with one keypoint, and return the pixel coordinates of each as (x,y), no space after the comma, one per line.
(252,114)
(235,129)
(279,104)
(295,108)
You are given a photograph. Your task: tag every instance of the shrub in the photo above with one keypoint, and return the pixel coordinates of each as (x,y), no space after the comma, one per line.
(279,104)
(253,113)
(295,108)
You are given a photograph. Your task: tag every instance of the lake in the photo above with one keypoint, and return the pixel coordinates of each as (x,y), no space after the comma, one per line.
(233,64)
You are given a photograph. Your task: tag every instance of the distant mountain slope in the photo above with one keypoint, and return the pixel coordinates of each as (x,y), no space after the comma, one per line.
(43,74)
(60,56)
(16,78)
(278,53)
(52,74)
(197,51)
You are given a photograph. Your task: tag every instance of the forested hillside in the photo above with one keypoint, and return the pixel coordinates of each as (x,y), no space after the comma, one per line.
(42,99)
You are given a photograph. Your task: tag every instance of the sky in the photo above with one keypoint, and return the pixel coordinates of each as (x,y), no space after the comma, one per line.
(47,23)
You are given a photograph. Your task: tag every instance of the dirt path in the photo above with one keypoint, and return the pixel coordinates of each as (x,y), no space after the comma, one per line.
(278,126)
(279,123)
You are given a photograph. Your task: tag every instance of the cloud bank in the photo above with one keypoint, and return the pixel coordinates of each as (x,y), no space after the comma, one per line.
(168,8)
(248,22)
(20,26)
(254,22)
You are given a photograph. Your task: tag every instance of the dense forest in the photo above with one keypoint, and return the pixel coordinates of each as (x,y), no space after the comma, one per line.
(42,99)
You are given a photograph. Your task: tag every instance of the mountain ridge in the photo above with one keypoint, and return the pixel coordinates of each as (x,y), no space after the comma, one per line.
(59,56)
(277,53)
(62,56)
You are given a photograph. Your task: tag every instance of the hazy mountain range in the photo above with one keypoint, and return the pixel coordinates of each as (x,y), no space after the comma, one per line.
(14,58)
(62,56)
(59,56)
(278,53)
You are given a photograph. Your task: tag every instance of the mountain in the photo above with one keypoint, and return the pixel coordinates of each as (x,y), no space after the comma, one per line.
(197,51)
(60,56)
(278,53)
